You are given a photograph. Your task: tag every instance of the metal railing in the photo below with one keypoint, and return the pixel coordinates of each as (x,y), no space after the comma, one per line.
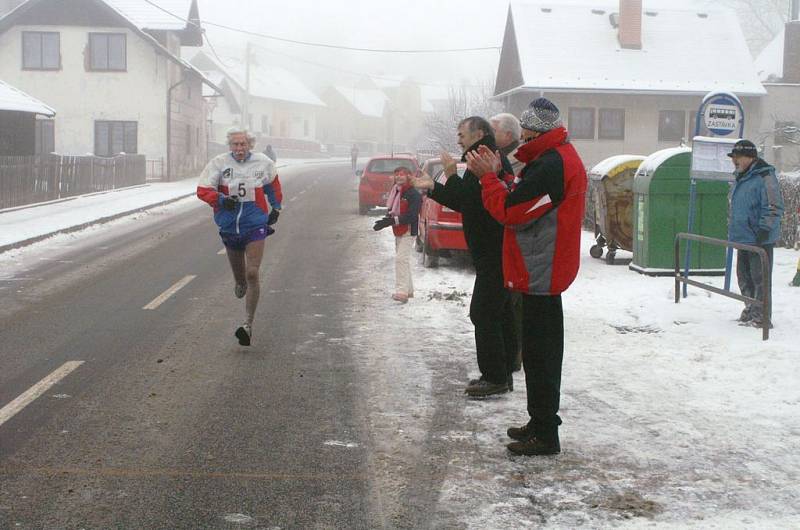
(765,304)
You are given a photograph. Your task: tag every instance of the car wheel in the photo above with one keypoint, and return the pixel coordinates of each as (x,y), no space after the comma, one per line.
(429,258)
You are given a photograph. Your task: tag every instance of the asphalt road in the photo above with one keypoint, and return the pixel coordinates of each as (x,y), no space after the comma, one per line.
(168,422)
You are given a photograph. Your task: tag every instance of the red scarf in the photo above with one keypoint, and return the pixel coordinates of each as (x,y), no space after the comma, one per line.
(532,150)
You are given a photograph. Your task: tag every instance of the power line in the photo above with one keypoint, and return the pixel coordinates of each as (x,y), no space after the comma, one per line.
(320,44)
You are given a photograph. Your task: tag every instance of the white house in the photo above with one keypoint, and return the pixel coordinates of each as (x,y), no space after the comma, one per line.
(280,109)
(627,77)
(112,69)
(19,133)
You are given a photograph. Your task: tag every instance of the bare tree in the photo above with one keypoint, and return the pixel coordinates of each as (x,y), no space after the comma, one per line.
(462,101)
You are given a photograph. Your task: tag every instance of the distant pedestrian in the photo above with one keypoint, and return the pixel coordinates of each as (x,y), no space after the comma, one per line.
(270,152)
(755,219)
(403,216)
(542,214)
(354,157)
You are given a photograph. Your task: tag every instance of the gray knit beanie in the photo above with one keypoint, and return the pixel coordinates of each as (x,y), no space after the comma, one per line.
(541,115)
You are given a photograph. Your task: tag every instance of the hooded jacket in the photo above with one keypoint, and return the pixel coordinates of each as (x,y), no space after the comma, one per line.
(542,215)
(484,235)
(756,206)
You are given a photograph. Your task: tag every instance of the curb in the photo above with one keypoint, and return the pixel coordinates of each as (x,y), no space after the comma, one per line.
(36,239)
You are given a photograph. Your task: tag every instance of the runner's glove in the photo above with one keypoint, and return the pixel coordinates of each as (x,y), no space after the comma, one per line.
(229,203)
(273,216)
(383,222)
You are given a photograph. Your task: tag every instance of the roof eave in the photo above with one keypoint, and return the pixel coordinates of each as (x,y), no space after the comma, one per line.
(638,92)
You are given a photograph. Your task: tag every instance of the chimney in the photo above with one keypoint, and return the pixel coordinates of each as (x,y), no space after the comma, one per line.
(630,24)
(791,53)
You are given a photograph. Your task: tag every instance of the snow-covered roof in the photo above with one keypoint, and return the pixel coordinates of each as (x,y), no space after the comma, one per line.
(266,81)
(654,161)
(16,100)
(148,16)
(769,63)
(572,46)
(368,101)
(602,168)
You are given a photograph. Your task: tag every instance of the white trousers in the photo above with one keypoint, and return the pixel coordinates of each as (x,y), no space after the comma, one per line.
(402,264)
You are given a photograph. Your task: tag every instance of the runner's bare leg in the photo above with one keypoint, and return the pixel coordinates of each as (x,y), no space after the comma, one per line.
(253,252)
(236,259)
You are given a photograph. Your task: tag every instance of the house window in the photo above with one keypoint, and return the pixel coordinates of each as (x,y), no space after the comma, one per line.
(108,52)
(45,137)
(611,124)
(581,123)
(671,125)
(114,137)
(41,50)
(786,133)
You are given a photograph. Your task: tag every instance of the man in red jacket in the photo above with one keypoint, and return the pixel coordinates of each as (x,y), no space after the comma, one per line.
(542,216)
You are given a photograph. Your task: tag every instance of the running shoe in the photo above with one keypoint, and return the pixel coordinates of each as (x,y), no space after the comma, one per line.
(243,334)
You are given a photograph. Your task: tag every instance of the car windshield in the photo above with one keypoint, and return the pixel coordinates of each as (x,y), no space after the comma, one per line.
(388,165)
(460,170)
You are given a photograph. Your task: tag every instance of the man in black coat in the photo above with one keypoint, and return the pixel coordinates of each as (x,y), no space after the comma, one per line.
(490,309)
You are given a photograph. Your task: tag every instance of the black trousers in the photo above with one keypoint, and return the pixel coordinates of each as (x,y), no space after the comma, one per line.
(542,355)
(495,337)
(749,274)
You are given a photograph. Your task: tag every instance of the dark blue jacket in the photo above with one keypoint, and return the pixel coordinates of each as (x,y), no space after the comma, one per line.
(756,206)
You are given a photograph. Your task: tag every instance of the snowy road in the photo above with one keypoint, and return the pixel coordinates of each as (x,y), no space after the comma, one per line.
(348,410)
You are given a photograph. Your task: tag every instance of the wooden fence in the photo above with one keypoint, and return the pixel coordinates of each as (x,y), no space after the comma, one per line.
(32,179)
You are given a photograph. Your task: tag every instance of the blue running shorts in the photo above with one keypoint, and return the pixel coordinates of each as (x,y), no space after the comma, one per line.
(240,241)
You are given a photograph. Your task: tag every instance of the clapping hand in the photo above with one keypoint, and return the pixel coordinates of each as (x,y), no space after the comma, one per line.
(483,161)
(422,182)
(450,165)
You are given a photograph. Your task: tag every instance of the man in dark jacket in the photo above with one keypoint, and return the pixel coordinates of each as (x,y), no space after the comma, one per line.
(490,309)
(542,215)
(756,210)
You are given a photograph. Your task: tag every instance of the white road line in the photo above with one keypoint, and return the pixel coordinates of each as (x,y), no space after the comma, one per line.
(169,292)
(25,399)
(221,252)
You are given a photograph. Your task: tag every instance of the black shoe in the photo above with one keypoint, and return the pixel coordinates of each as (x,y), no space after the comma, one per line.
(243,334)
(486,388)
(757,323)
(521,433)
(745,316)
(473,382)
(534,446)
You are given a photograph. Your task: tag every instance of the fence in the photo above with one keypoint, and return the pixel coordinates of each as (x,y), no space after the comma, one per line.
(155,169)
(766,303)
(31,179)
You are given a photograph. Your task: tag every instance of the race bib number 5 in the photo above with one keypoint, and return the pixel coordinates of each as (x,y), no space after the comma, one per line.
(244,191)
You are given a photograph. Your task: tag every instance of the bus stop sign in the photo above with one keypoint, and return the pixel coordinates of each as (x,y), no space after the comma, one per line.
(722,114)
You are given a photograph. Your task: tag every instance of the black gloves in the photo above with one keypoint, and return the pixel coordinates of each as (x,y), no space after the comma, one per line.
(383,222)
(762,235)
(229,203)
(273,216)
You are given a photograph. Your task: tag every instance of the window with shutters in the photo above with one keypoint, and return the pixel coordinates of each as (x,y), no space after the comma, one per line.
(114,137)
(611,124)
(108,52)
(45,137)
(41,50)
(581,123)
(671,125)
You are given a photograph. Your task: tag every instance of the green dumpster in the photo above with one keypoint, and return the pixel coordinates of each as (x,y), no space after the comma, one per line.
(661,210)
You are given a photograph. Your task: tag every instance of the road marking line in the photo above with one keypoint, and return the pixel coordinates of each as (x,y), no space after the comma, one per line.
(221,252)
(25,399)
(160,299)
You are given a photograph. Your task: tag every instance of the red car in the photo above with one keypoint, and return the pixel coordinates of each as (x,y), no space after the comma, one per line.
(440,230)
(378,177)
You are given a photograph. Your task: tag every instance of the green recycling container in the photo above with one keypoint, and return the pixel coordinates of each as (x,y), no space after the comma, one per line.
(661,210)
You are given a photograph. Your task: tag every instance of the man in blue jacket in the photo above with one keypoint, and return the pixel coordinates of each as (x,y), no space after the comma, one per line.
(756,210)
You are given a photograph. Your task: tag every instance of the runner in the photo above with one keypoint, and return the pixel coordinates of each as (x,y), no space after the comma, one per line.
(238,186)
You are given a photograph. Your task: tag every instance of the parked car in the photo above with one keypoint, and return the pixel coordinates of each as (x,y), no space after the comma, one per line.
(377,179)
(440,229)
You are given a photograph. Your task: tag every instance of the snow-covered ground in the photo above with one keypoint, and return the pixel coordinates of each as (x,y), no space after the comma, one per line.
(674,415)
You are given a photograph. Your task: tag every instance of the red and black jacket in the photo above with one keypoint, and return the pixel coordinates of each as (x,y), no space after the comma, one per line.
(542,215)
(410,202)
